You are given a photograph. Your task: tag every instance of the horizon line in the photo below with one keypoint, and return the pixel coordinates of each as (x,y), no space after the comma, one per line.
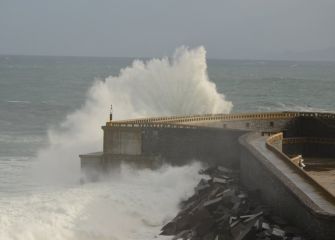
(152,57)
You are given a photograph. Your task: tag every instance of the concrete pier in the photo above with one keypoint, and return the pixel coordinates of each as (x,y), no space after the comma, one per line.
(274,152)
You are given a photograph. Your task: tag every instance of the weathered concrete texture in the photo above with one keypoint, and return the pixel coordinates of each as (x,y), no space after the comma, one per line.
(91,160)
(283,195)
(92,164)
(123,140)
(179,146)
(152,146)
(215,141)
(326,178)
(176,146)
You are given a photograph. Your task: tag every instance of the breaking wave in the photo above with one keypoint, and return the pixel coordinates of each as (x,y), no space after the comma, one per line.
(158,87)
(135,203)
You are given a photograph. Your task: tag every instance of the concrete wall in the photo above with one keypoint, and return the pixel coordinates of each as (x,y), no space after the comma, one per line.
(217,142)
(284,197)
(178,146)
(311,127)
(91,160)
(122,140)
(174,145)
(212,142)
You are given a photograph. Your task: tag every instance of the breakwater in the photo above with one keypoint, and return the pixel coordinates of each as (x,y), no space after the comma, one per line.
(243,141)
(221,209)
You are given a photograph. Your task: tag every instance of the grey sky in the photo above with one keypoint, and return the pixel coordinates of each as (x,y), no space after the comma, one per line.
(137,28)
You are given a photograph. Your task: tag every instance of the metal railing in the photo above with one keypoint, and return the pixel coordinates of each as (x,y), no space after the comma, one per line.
(150,125)
(226,117)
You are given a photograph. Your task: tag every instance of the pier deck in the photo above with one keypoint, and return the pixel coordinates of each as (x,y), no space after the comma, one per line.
(306,191)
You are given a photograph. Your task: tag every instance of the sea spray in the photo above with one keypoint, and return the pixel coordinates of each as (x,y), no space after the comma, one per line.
(135,203)
(158,87)
(132,204)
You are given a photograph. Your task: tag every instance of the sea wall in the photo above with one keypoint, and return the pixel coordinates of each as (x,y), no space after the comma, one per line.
(174,145)
(285,198)
(178,146)
(225,139)
(122,140)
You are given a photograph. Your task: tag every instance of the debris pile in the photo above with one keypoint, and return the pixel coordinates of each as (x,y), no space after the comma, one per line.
(219,210)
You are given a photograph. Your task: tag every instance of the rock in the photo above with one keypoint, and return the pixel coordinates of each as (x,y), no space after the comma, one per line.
(221,180)
(247,218)
(202,187)
(278,220)
(265,226)
(242,195)
(169,229)
(240,230)
(278,233)
(224,170)
(220,210)
(182,235)
(291,231)
(297,238)
(212,202)
(226,193)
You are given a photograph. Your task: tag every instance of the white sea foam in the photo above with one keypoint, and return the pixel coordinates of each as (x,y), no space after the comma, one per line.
(135,204)
(18,101)
(6,138)
(158,87)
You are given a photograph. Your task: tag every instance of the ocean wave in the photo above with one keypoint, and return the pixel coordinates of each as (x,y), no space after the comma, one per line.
(21,139)
(135,203)
(158,87)
(132,204)
(18,101)
(279,106)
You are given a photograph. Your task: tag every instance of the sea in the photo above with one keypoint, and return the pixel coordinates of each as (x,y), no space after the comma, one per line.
(52,110)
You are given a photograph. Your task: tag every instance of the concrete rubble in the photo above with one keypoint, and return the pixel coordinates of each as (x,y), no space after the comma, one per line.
(220,209)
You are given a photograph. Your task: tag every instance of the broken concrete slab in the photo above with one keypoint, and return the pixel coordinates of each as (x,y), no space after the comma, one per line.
(221,210)
(213,202)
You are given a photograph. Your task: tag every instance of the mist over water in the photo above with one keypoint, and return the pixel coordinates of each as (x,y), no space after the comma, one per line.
(48,202)
(135,203)
(158,87)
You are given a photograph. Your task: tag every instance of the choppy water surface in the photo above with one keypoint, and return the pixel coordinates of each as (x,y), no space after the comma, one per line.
(51,109)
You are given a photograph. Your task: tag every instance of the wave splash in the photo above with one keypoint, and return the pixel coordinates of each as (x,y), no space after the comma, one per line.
(132,205)
(136,203)
(169,86)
